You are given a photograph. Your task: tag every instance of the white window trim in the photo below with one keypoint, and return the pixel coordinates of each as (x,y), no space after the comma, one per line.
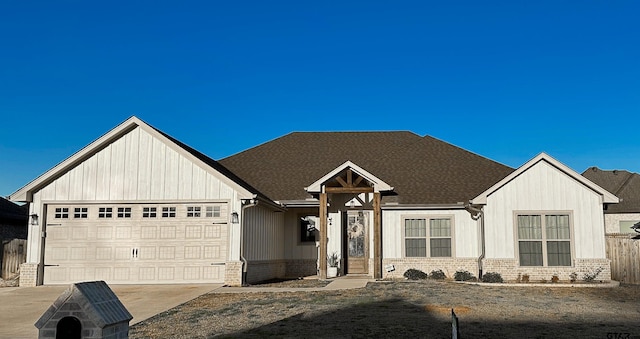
(428,217)
(542,214)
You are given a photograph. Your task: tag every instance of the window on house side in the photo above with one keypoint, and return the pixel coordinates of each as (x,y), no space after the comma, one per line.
(307,230)
(625,225)
(544,240)
(415,237)
(422,241)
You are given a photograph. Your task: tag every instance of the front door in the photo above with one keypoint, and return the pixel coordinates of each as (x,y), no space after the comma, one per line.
(357,242)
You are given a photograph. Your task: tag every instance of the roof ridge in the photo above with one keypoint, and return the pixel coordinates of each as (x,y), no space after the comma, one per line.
(630,176)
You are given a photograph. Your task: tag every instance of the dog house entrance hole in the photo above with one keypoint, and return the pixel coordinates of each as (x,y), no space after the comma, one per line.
(69,328)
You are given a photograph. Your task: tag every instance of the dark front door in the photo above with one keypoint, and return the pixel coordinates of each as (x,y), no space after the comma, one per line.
(357,242)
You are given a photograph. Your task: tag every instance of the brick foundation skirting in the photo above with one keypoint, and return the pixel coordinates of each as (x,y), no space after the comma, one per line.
(264,270)
(28,275)
(301,268)
(233,273)
(448,265)
(510,270)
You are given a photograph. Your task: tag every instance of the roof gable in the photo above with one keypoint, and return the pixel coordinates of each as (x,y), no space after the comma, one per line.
(378,184)
(607,197)
(210,165)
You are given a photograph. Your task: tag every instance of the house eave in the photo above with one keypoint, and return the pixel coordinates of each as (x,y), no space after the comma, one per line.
(457,206)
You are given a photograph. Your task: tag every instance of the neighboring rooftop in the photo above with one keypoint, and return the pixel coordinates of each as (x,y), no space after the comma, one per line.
(623,184)
(11,212)
(422,170)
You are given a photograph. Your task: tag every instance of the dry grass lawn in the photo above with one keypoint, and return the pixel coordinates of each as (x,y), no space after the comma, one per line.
(406,309)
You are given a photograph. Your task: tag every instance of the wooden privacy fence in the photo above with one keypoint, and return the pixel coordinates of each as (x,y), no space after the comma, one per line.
(14,253)
(624,253)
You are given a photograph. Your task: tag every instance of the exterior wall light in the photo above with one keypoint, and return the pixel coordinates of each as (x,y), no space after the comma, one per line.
(234,218)
(34,219)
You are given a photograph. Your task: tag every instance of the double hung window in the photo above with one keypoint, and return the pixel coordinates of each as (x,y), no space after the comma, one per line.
(427,237)
(544,239)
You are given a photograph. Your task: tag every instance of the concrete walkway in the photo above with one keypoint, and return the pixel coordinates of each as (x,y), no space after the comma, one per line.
(342,283)
(21,307)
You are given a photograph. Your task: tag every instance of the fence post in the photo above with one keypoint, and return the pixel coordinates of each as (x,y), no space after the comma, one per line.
(455,334)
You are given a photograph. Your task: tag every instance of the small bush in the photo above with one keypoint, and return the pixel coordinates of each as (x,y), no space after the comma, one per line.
(413,274)
(492,277)
(573,277)
(591,276)
(463,276)
(437,275)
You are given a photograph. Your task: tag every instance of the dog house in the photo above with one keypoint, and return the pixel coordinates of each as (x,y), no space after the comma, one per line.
(85,310)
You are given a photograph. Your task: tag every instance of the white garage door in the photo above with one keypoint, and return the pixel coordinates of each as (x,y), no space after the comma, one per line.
(136,243)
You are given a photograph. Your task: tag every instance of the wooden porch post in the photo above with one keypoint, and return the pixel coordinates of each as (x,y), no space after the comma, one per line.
(323,235)
(377,237)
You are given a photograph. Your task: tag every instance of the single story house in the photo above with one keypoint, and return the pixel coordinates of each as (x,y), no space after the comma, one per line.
(619,218)
(138,206)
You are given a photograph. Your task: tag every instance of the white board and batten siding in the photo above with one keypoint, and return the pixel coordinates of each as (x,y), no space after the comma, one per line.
(544,188)
(464,231)
(137,168)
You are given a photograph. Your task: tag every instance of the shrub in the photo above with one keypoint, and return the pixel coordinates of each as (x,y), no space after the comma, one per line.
(413,274)
(591,276)
(463,276)
(437,275)
(573,277)
(492,277)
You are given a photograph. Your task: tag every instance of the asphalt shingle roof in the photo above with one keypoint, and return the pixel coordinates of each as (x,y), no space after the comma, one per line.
(423,170)
(623,184)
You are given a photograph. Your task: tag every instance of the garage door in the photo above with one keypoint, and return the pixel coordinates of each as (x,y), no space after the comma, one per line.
(136,243)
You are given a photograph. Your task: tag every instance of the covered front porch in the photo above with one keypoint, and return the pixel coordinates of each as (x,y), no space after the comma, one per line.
(349,223)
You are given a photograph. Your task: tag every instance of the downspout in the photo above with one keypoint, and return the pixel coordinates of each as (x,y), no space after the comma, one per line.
(252,203)
(478,214)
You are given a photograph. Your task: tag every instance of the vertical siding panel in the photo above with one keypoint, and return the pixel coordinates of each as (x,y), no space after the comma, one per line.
(225,191)
(213,187)
(145,172)
(89,178)
(103,174)
(172,174)
(198,184)
(75,182)
(131,165)
(49,192)
(185,179)
(62,187)
(116,177)
(157,169)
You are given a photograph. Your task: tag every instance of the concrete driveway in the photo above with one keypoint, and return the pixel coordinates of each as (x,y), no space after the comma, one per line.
(21,307)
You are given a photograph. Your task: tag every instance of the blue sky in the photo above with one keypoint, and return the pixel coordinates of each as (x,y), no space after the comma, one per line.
(506,80)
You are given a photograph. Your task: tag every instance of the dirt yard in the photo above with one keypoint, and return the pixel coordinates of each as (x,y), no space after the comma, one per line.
(406,309)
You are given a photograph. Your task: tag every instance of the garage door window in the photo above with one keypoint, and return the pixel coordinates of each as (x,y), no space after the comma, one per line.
(148,212)
(193,211)
(124,212)
(213,212)
(62,213)
(80,212)
(168,212)
(105,212)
